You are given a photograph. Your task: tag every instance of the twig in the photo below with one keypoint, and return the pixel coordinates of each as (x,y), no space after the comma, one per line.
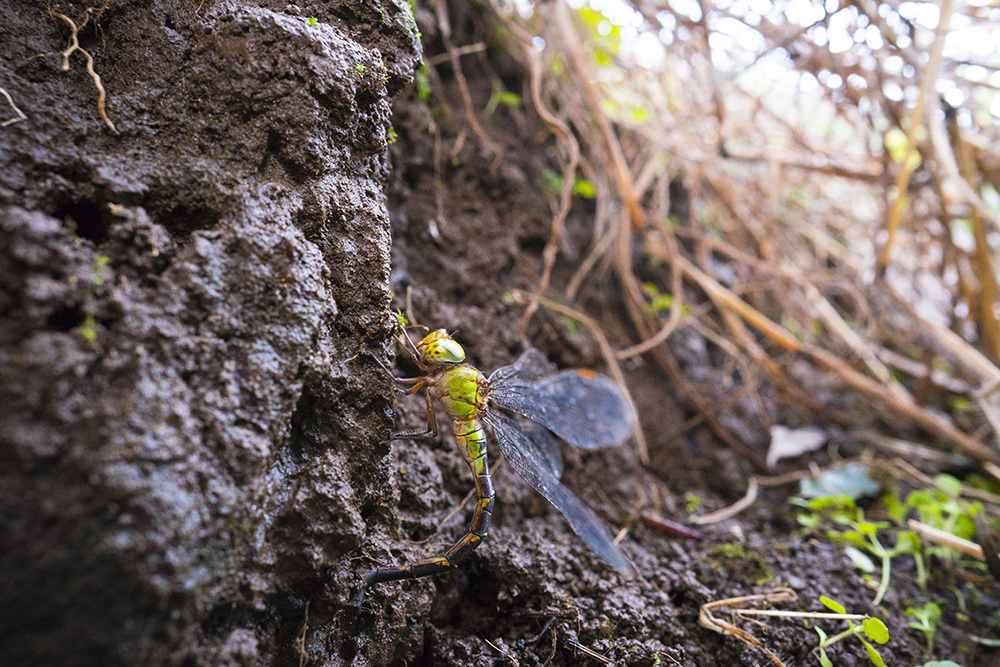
(300,640)
(778,334)
(748,499)
(707,620)
(833,616)
(466,50)
(590,652)
(20,114)
(916,117)
(667,526)
(939,536)
(441,10)
(624,176)
(558,127)
(512,658)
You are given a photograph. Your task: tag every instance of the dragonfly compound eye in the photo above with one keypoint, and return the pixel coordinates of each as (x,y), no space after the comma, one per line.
(445,351)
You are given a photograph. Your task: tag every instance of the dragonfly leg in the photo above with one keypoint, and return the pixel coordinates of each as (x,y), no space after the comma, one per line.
(461,549)
(418,382)
(428,433)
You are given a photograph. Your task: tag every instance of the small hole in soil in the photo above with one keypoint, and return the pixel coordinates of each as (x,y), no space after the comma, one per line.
(169,23)
(85,219)
(367,511)
(66,319)
(183,219)
(349,649)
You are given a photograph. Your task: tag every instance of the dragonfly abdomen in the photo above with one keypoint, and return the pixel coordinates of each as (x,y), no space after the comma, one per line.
(471,438)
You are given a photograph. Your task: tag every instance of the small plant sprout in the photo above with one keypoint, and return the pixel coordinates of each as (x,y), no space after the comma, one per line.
(866,628)
(853,530)
(311,21)
(870,627)
(500,96)
(928,618)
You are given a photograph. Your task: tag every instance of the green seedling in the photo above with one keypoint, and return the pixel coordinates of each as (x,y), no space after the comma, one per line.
(869,628)
(88,329)
(581,187)
(500,96)
(853,530)
(928,618)
(658,301)
(692,503)
(99,273)
(422,83)
(865,628)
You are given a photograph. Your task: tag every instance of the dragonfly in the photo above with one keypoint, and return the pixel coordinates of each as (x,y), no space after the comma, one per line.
(526,405)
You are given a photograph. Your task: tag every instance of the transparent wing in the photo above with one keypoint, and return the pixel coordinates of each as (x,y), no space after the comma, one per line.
(531,365)
(522,453)
(538,443)
(583,408)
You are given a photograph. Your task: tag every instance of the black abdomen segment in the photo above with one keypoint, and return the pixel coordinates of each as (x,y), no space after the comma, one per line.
(463,548)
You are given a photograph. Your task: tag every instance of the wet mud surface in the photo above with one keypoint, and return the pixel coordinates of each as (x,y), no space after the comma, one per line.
(196,465)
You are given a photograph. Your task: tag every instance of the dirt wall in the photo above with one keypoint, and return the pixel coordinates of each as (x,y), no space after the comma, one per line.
(187,309)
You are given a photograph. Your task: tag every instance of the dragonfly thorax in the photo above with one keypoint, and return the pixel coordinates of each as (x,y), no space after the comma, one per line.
(461,390)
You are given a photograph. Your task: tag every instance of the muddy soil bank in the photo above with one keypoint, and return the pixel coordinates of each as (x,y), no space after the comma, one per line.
(196,465)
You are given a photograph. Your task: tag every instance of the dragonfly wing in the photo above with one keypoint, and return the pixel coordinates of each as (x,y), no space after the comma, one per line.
(539,443)
(523,456)
(531,365)
(583,408)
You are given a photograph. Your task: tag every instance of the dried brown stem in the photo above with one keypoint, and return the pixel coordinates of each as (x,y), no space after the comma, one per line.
(915,121)
(441,11)
(20,114)
(606,350)
(74,46)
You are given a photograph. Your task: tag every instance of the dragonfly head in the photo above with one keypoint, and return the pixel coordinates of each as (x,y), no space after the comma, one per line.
(438,349)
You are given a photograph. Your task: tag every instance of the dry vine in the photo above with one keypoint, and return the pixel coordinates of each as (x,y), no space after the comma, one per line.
(74,45)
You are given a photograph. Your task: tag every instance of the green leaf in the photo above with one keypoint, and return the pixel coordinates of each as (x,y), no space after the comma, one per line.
(907,542)
(832,605)
(875,629)
(312,20)
(895,507)
(509,98)
(860,559)
(422,83)
(824,659)
(553,180)
(874,656)
(584,188)
(949,484)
